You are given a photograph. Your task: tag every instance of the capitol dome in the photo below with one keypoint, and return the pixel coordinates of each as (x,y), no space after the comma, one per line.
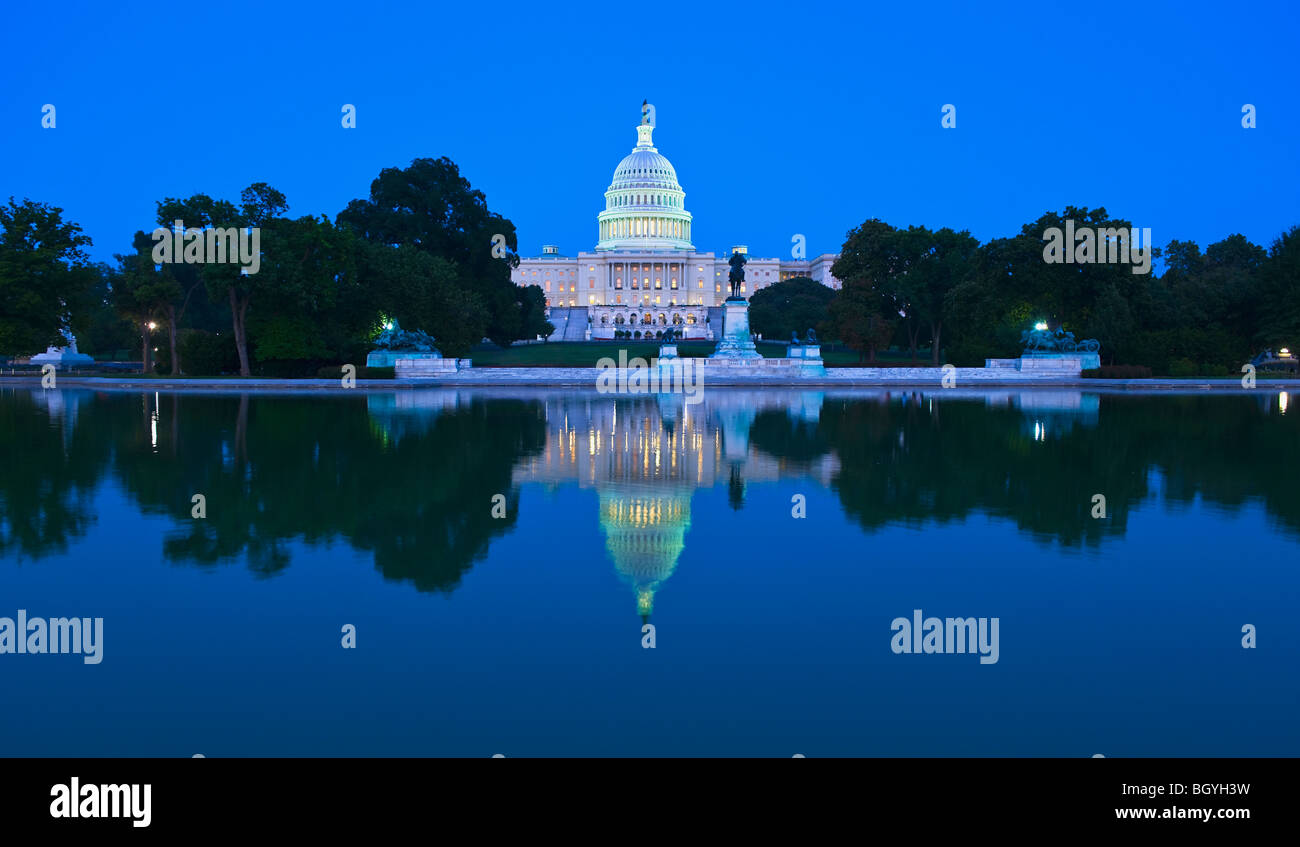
(645,206)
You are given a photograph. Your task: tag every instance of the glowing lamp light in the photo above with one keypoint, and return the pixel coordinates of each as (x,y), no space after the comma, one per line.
(388,325)
(152,326)
(1284,353)
(1041,325)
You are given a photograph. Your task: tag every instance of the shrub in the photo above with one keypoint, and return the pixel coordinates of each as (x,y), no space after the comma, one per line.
(202,353)
(336,372)
(1118,372)
(1182,368)
(286,368)
(1214,370)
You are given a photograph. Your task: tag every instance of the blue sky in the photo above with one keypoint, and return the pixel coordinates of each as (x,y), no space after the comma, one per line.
(780,118)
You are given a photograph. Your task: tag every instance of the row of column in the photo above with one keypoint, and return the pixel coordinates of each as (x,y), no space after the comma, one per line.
(650,227)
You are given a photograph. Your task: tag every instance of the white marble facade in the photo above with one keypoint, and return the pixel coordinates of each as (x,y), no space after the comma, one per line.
(644,261)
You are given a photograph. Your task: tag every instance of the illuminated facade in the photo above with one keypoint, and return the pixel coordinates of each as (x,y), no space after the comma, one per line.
(645,273)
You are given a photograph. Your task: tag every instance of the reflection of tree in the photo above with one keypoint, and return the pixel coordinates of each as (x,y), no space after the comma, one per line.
(320,469)
(47,473)
(786,437)
(736,489)
(275,469)
(902,463)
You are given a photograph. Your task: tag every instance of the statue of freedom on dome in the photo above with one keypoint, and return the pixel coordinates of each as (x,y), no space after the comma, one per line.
(737,275)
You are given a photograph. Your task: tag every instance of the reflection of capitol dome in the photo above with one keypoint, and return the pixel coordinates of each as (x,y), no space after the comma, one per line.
(645,206)
(645,533)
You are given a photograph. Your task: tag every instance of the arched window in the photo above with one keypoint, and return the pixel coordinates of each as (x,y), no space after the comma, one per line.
(677,319)
(604,319)
(690,319)
(618,319)
(663,319)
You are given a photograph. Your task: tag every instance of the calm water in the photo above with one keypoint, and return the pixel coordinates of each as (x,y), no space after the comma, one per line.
(522,635)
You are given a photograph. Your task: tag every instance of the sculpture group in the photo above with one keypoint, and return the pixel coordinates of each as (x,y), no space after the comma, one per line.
(1056,341)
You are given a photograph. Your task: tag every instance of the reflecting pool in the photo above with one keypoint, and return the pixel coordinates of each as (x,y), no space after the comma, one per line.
(505,557)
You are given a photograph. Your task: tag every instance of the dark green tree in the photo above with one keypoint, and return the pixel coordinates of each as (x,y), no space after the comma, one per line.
(46,280)
(431,207)
(790,306)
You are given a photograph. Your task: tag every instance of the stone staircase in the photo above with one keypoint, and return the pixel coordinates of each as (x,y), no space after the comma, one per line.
(570,324)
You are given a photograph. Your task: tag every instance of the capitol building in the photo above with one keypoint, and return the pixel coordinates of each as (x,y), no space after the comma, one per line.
(645,274)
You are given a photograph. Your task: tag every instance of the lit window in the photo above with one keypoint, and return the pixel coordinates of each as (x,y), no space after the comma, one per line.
(591,282)
(701,284)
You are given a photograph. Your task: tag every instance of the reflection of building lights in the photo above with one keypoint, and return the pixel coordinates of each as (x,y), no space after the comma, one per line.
(1040,431)
(1282,400)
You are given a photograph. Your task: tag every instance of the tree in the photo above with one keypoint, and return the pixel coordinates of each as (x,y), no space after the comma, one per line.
(46,280)
(423,291)
(431,207)
(1280,293)
(168,289)
(108,331)
(310,302)
(865,312)
(857,316)
(1012,287)
(936,263)
(262,207)
(790,306)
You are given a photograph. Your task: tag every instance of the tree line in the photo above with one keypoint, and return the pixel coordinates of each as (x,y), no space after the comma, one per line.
(962,301)
(419,250)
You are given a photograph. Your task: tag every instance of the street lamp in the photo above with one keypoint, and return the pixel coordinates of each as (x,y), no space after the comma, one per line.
(1040,326)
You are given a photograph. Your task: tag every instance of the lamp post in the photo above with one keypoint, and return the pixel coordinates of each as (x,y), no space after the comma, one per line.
(149,327)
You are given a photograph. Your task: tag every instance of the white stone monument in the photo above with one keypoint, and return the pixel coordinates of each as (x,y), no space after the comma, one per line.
(63,357)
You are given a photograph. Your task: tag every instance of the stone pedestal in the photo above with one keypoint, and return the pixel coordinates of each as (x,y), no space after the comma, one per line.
(808,357)
(390,358)
(1049,363)
(736,342)
(418,368)
(668,351)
